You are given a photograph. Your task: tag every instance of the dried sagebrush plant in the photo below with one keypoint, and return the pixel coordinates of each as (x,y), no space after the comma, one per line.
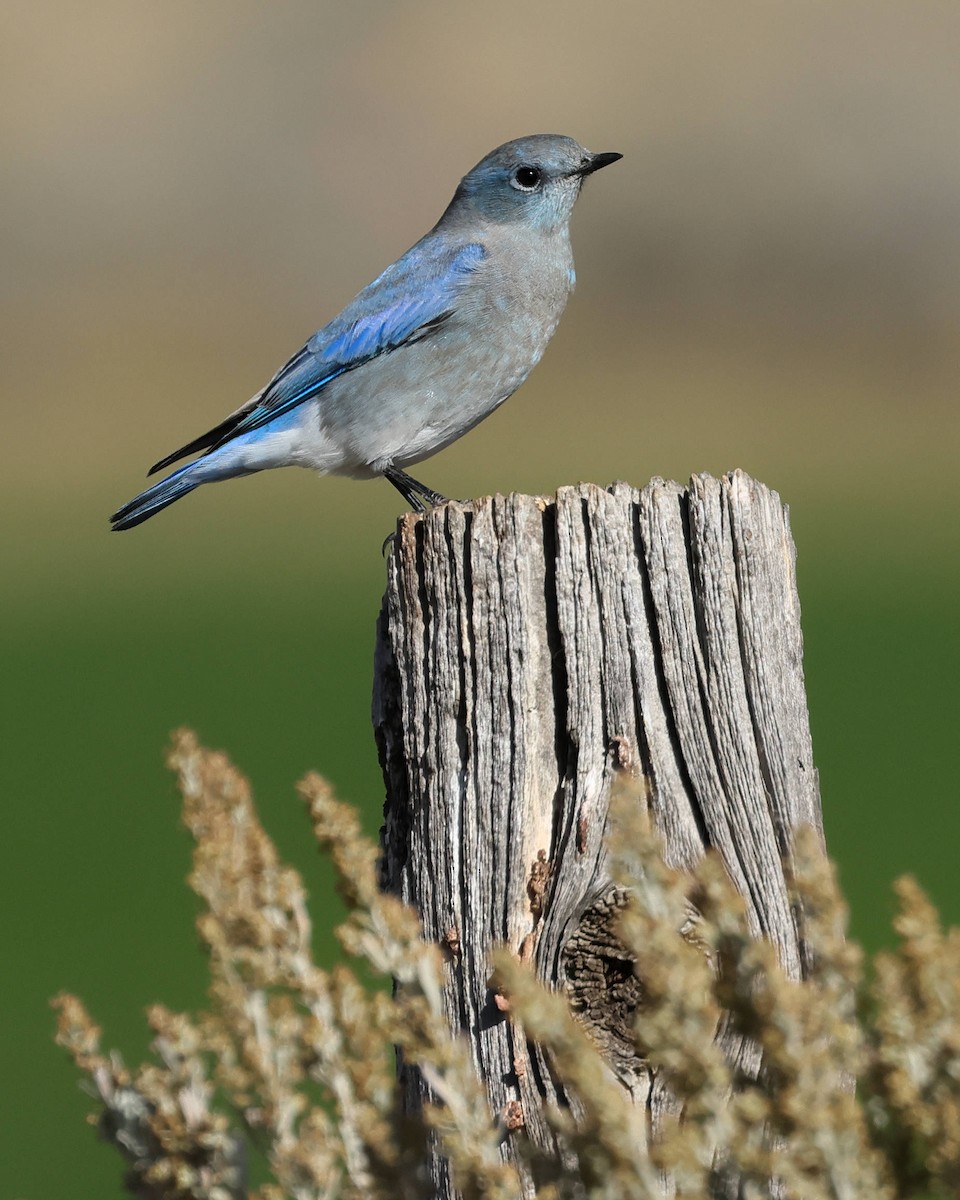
(302,1059)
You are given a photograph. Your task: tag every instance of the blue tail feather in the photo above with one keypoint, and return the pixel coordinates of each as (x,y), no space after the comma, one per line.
(155,498)
(243,455)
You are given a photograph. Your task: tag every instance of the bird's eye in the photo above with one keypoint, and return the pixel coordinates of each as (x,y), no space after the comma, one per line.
(526,178)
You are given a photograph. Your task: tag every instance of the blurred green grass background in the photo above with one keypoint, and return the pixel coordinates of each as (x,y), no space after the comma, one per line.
(770,279)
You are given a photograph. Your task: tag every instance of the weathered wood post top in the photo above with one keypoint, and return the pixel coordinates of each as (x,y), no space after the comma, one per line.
(527,647)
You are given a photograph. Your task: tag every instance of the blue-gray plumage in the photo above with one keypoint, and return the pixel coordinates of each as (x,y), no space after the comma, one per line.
(423,353)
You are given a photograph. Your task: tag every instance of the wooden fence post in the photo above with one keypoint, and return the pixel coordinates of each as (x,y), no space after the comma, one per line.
(527,643)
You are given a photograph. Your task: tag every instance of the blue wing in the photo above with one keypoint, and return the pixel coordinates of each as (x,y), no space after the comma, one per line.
(411,300)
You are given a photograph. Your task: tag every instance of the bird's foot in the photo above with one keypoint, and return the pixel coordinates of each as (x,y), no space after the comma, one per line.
(417,494)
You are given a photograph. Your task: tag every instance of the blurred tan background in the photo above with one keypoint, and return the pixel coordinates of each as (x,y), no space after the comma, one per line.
(770,279)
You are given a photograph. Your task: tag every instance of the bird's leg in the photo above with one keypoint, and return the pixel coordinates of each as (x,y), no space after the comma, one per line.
(416,494)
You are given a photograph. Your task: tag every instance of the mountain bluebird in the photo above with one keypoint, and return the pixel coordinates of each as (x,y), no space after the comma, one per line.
(423,353)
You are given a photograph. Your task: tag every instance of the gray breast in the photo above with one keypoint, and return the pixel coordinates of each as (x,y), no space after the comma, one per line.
(405,406)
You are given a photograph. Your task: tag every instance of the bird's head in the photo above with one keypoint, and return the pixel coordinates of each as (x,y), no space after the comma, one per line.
(534,180)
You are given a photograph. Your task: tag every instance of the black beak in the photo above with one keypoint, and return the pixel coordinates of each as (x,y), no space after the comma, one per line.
(596,161)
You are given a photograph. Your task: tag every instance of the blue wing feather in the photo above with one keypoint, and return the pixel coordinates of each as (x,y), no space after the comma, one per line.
(409,301)
(406,303)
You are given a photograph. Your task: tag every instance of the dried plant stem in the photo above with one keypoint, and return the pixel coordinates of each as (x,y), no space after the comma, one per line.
(305,1056)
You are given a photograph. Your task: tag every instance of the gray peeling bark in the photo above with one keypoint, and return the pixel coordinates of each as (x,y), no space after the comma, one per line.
(525,645)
